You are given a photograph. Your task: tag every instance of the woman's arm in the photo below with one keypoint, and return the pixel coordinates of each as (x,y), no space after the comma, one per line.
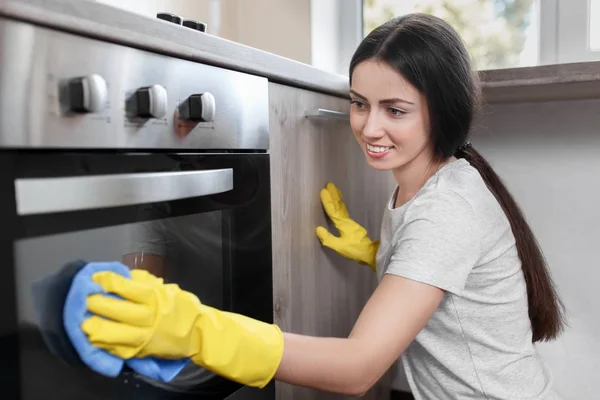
(390,320)
(154,319)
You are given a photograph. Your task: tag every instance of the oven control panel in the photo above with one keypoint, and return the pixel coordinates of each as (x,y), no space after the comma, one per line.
(67,91)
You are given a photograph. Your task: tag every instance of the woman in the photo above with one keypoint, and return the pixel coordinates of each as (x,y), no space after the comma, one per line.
(464,291)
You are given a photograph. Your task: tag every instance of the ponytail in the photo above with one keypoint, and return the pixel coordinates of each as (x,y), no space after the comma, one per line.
(546,311)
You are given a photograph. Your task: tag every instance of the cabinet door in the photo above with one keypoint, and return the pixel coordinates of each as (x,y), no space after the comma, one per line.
(316,291)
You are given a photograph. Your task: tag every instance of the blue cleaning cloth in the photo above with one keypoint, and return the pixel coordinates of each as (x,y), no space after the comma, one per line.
(99,360)
(48,295)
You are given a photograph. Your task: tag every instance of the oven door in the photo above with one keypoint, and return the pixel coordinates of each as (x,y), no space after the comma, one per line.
(202,221)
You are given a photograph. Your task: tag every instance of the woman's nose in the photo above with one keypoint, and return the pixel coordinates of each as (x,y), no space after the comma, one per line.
(373,128)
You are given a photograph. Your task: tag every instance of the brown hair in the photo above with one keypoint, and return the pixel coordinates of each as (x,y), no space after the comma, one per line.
(432,57)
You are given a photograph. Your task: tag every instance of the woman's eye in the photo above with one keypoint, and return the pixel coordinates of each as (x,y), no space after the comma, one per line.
(396,112)
(357,104)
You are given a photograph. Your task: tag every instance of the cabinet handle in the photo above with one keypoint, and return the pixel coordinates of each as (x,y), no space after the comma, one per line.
(327,114)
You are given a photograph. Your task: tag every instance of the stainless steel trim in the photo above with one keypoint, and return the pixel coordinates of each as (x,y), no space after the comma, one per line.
(51,195)
(36,65)
(327,114)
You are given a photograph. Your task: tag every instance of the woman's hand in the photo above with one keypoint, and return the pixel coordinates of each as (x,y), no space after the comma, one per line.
(161,320)
(353,242)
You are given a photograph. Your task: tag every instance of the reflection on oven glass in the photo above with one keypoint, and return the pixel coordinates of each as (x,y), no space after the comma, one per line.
(187,250)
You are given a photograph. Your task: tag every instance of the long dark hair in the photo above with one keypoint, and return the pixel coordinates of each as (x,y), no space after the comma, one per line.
(430,54)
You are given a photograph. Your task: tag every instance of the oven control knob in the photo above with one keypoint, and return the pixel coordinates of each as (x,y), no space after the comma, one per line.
(88,94)
(198,107)
(151,102)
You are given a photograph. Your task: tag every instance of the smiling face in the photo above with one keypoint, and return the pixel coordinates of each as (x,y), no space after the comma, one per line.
(390,118)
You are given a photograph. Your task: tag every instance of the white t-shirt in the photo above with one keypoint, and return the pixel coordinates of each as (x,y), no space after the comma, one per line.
(454,235)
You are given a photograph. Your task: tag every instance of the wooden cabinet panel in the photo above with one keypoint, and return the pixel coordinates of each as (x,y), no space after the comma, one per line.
(316,291)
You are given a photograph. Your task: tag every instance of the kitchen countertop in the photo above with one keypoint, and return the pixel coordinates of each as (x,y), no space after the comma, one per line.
(97,20)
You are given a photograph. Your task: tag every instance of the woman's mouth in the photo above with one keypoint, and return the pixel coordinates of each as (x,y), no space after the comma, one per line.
(378,151)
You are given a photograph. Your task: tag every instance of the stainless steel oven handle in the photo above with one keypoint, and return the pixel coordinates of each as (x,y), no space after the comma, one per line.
(51,195)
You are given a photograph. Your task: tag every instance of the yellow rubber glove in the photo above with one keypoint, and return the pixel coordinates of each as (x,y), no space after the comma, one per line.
(161,320)
(353,242)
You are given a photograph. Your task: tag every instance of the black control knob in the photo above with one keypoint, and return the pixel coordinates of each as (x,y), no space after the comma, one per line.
(87,94)
(151,102)
(198,107)
(196,25)
(176,19)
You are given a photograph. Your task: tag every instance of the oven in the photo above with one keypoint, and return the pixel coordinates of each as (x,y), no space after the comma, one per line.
(114,153)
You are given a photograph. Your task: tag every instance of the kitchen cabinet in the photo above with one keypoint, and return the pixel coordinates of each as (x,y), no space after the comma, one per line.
(316,291)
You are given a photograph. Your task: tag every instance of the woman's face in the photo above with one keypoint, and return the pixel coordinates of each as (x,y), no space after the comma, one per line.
(389,117)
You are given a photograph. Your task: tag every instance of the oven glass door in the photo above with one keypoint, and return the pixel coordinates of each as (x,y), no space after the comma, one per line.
(201,221)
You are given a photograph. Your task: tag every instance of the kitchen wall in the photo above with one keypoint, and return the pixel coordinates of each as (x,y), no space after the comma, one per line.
(281,27)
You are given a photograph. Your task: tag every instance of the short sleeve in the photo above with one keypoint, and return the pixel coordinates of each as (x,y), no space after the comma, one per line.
(439,241)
